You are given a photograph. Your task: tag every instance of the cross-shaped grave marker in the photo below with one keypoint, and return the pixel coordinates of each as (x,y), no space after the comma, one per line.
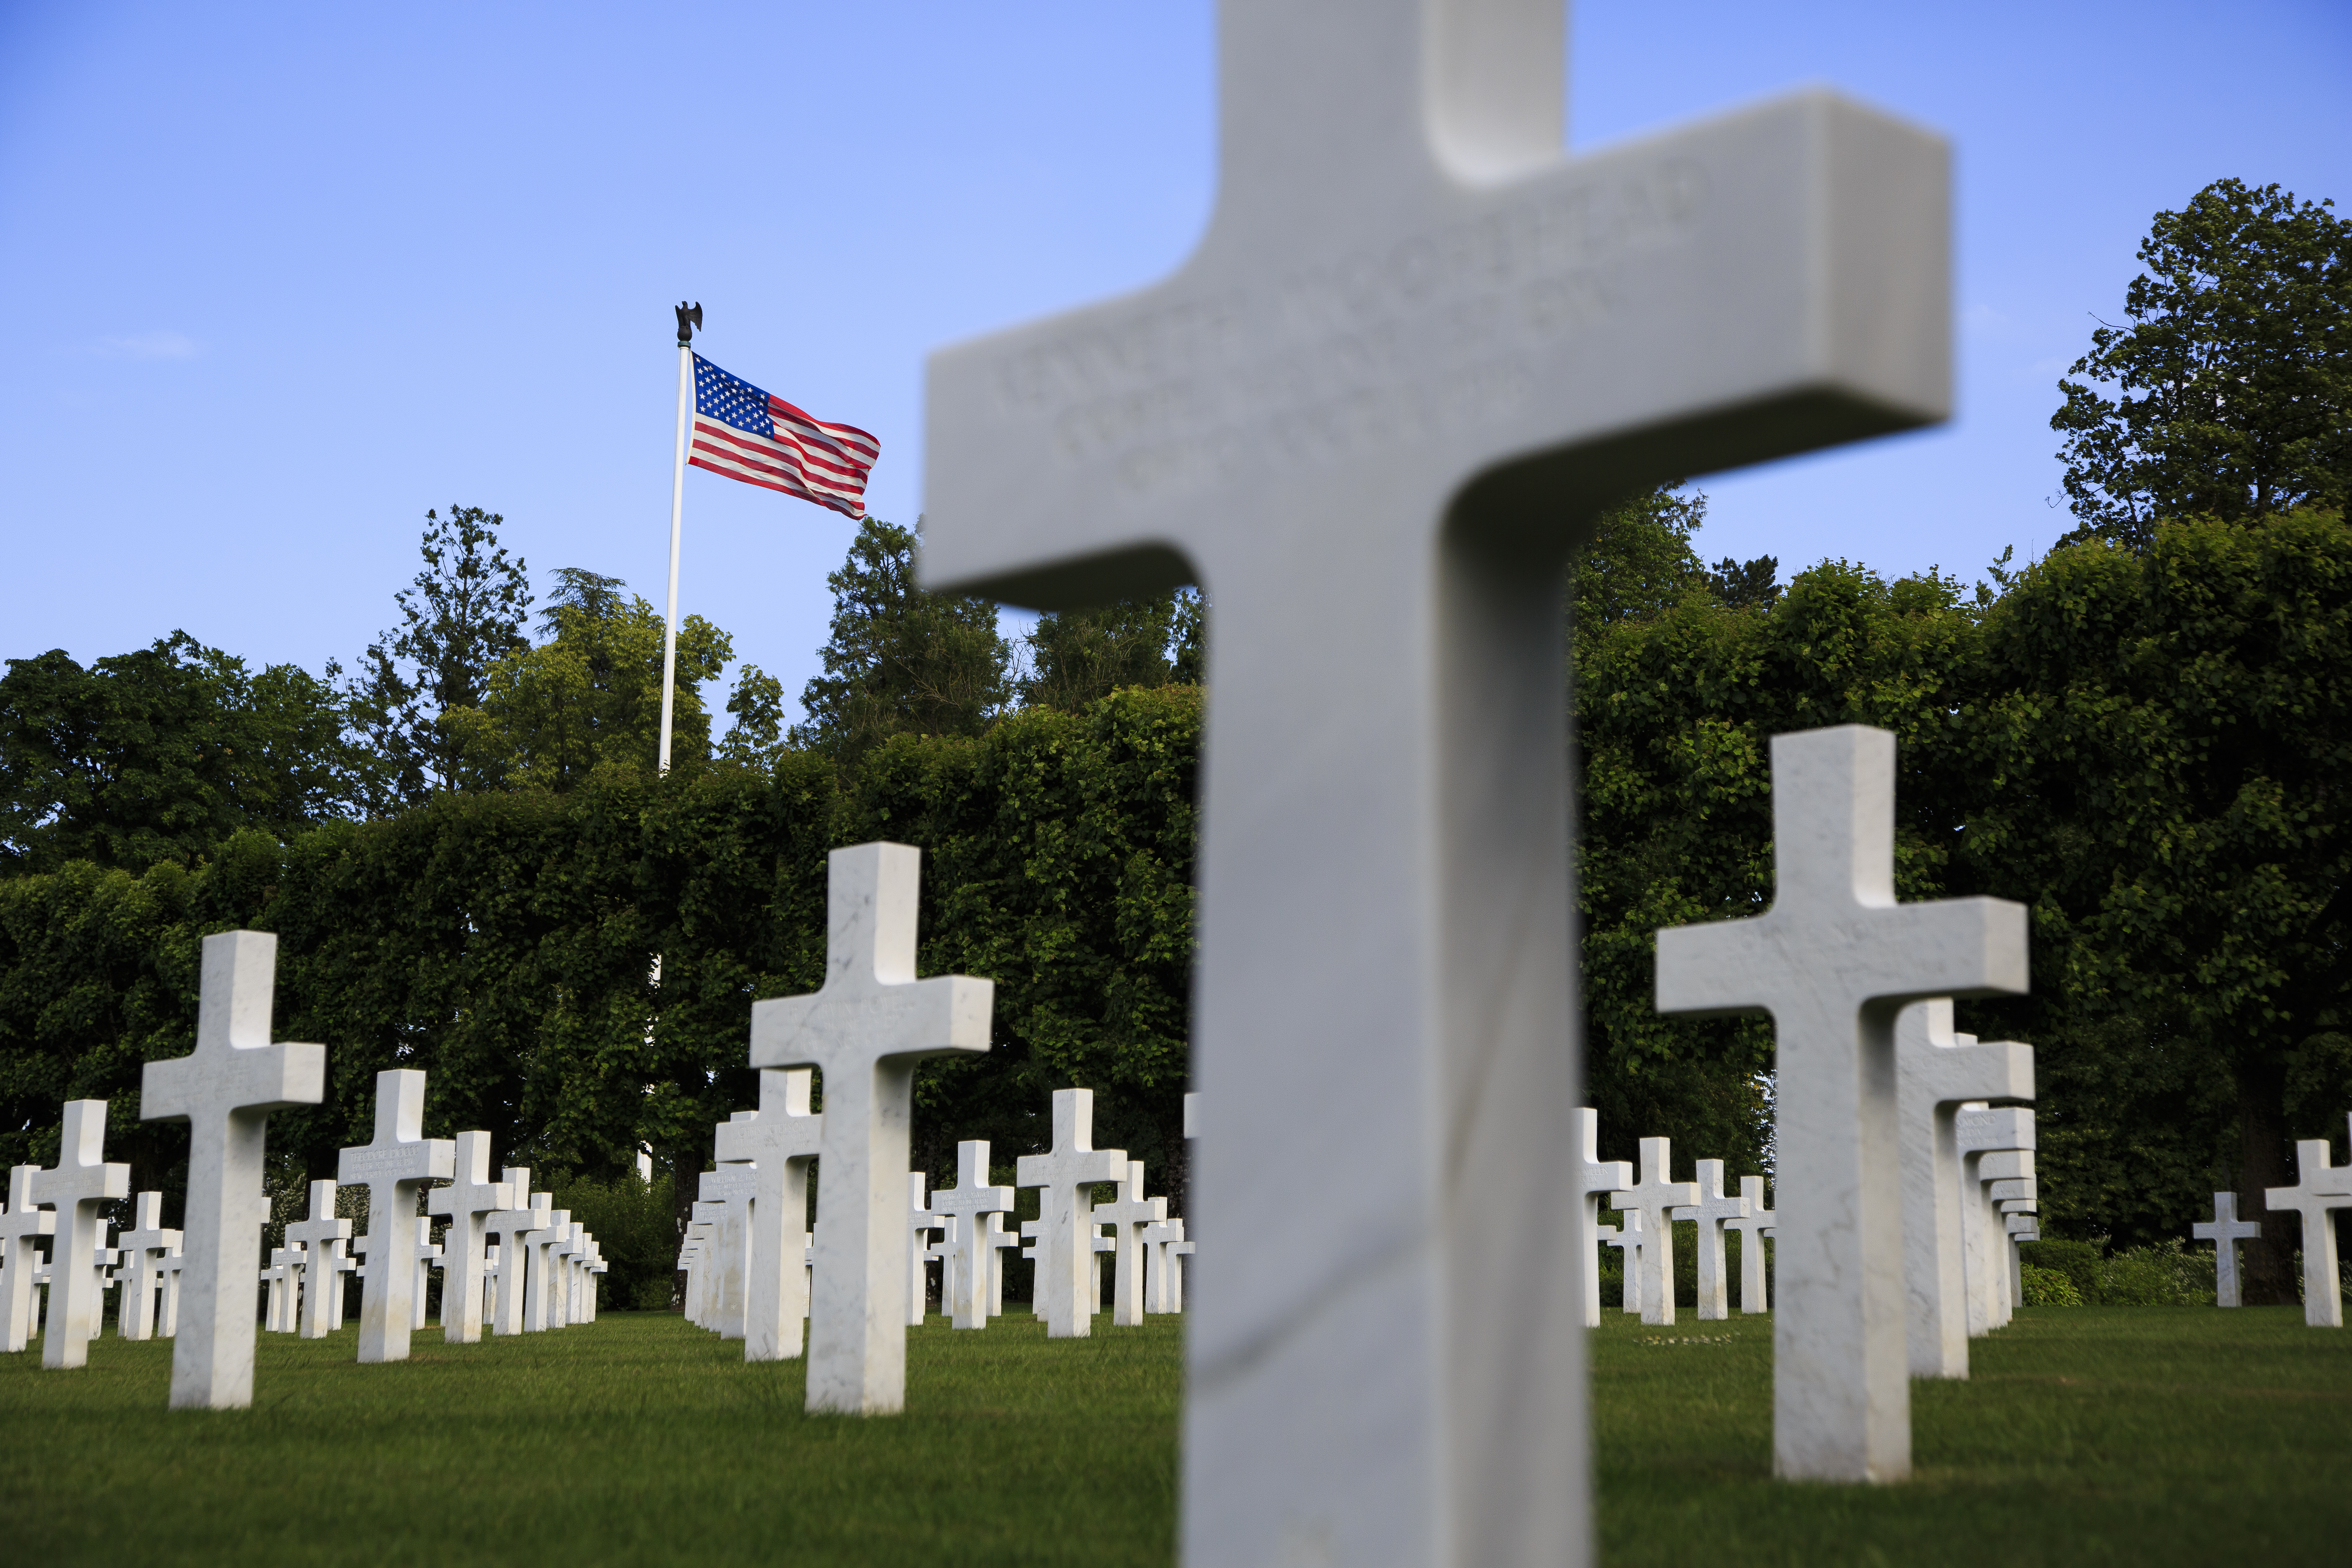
(1653,1197)
(1833,961)
(920,1222)
(734,1188)
(1937,1072)
(1126,1214)
(1158,1296)
(1597,1178)
(508,1273)
(1711,1213)
(2225,1230)
(2319,1189)
(322,1236)
(964,1275)
(426,1257)
(285,1282)
(778,1142)
(394,1167)
(24,1222)
(1996,1144)
(539,1290)
(144,1248)
(1063,1286)
(225,1090)
(82,1180)
(1626,1237)
(864,1033)
(1417,351)
(1755,1291)
(468,1201)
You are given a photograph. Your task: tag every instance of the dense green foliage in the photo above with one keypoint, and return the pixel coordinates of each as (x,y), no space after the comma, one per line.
(161,754)
(2240,348)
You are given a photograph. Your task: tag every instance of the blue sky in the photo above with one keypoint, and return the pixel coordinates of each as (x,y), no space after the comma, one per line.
(281,278)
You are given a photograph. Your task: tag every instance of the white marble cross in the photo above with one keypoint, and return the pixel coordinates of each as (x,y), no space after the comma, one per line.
(322,1236)
(1626,1237)
(1755,1291)
(1597,1178)
(1996,1144)
(539,1290)
(1062,1290)
(427,1257)
(174,1262)
(1417,350)
(920,1222)
(468,1200)
(1652,1197)
(1711,1213)
(82,1180)
(778,1142)
(864,1033)
(21,1225)
(1158,1296)
(225,1092)
(2225,1230)
(1128,1214)
(1938,1072)
(964,1275)
(144,1246)
(1833,961)
(513,1266)
(285,1281)
(998,1240)
(2320,1188)
(394,1168)
(733,1187)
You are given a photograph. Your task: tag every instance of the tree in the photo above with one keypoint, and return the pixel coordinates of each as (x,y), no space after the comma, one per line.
(1639,562)
(462,614)
(1076,657)
(756,739)
(2240,348)
(588,702)
(161,754)
(900,661)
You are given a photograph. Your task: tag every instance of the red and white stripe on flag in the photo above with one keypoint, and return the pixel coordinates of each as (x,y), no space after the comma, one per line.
(755,436)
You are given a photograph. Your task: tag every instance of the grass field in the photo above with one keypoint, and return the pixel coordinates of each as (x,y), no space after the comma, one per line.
(2088,1435)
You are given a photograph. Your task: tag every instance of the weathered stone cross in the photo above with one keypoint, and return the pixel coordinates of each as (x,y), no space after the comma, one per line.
(1417,351)
(469,1199)
(778,1142)
(225,1092)
(82,1180)
(1597,1178)
(1935,1073)
(1712,1213)
(2225,1230)
(1652,1197)
(394,1168)
(1833,961)
(24,1222)
(321,1235)
(864,1033)
(1066,1259)
(1996,1145)
(1755,1288)
(2319,1189)
(965,1270)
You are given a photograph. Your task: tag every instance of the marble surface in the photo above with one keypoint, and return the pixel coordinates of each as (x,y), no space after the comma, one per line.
(1062,1291)
(393,1166)
(1713,1211)
(2319,1190)
(1596,1179)
(1419,349)
(22,1225)
(1754,1284)
(1653,1197)
(467,1202)
(225,1090)
(1833,961)
(2225,1230)
(778,1142)
(81,1180)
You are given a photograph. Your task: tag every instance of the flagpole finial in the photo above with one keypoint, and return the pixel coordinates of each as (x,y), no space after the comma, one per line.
(688,318)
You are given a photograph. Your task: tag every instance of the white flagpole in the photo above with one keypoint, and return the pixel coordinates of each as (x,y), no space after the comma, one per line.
(677,514)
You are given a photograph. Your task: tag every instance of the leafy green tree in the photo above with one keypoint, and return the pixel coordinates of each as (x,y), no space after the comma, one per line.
(756,739)
(1078,656)
(161,754)
(2164,739)
(463,612)
(899,660)
(588,701)
(2240,353)
(1640,562)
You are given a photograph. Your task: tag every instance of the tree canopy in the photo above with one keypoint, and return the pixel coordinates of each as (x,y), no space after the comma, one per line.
(2233,378)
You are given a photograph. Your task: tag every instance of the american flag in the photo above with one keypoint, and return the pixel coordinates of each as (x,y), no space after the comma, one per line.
(758,438)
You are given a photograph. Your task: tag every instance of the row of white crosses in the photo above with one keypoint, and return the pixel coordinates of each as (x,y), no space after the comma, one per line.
(1650,1208)
(225,1090)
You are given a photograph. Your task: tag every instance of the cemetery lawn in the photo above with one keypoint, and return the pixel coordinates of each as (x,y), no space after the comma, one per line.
(634,1439)
(2086,1435)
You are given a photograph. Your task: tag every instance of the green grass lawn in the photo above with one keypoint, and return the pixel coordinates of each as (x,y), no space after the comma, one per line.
(2088,1435)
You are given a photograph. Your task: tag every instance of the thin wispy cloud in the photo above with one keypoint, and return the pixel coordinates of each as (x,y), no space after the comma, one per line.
(148,345)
